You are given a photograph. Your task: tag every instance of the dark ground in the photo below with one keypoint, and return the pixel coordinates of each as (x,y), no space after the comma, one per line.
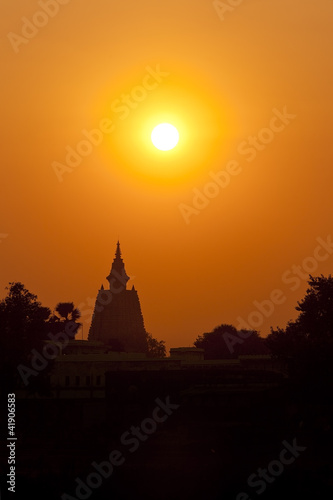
(206,449)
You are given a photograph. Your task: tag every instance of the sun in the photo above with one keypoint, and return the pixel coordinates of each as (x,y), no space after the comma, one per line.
(165,136)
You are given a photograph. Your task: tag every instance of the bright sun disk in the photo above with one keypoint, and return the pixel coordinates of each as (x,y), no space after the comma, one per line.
(165,136)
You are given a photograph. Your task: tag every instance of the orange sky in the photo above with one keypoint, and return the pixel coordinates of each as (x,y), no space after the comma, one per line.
(123,67)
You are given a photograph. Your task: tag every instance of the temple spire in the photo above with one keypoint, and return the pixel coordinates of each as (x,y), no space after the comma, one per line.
(117,277)
(118,252)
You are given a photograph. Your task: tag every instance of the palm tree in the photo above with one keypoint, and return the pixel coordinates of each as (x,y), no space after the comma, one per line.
(68,311)
(65,312)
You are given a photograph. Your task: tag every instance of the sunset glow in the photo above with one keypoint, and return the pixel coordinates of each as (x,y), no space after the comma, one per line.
(244,194)
(165,241)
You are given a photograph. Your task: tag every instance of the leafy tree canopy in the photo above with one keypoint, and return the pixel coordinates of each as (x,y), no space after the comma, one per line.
(226,342)
(307,342)
(23,327)
(156,348)
(22,317)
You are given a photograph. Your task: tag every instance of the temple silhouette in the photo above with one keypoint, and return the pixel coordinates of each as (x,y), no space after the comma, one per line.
(117,319)
(100,389)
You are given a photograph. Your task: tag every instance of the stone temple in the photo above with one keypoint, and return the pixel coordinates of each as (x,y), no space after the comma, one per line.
(117,319)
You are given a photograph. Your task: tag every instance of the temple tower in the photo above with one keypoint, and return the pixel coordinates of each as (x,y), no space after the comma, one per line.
(117,319)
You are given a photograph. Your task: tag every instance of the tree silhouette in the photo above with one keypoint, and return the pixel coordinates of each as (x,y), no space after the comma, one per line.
(156,348)
(64,313)
(315,320)
(68,311)
(23,327)
(306,344)
(226,342)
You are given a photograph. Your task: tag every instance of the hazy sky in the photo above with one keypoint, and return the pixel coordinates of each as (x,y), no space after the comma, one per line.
(208,230)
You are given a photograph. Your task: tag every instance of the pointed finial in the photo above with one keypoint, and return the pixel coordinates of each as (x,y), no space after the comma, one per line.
(118,272)
(118,252)
(102,287)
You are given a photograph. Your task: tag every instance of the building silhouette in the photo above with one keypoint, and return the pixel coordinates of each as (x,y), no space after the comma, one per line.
(117,342)
(117,320)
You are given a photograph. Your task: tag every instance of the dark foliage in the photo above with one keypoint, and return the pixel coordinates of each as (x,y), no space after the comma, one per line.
(23,327)
(226,342)
(306,344)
